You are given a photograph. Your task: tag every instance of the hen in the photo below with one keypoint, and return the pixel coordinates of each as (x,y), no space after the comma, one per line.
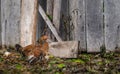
(35,52)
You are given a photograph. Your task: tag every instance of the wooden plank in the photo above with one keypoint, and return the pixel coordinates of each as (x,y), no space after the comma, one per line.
(65,21)
(94,25)
(67,49)
(56,14)
(49,23)
(77,23)
(10,22)
(28,22)
(112,24)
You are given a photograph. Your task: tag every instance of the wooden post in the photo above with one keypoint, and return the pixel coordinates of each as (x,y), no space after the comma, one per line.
(28,21)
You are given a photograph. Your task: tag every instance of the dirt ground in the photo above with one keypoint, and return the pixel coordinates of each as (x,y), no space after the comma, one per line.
(100,63)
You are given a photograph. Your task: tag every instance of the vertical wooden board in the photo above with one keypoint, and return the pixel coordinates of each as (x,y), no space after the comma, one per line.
(64,21)
(10,21)
(94,25)
(77,23)
(50,7)
(56,14)
(112,24)
(28,21)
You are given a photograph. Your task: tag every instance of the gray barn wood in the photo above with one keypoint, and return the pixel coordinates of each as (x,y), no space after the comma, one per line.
(77,23)
(56,14)
(112,24)
(49,7)
(10,22)
(49,23)
(64,21)
(94,25)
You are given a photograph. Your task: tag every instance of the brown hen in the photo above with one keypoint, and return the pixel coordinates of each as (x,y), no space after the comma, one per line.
(38,51)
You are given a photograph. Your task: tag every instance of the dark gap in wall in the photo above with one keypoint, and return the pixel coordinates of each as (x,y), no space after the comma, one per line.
(41,23)
(103,10)
(64,20)
(85,25)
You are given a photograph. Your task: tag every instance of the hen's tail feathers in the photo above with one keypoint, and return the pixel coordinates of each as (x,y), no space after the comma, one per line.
(19,49)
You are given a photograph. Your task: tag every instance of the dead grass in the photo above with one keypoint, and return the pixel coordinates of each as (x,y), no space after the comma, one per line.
(107,63)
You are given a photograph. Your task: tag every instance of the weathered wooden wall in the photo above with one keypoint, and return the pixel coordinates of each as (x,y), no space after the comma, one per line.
(77,22)
(112,24)
(64,21)
(10,21)
(95,23)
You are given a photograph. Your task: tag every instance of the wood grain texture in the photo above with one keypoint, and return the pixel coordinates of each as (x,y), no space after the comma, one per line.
(50,7)
(28,22)
(56,14)
(112,24)
(66,49)
(49,23)
(64,21)
(77,23)
(94,25)
(10,22)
